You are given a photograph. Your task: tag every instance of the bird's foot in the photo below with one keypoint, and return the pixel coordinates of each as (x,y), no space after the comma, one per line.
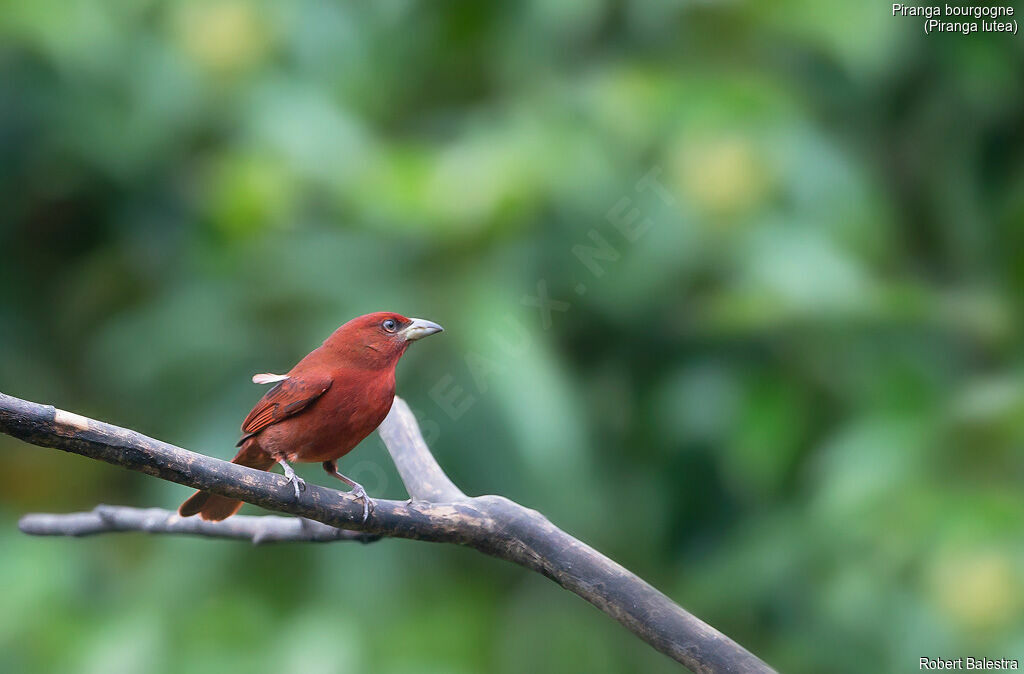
(298,484)
(357,489)
(360,493)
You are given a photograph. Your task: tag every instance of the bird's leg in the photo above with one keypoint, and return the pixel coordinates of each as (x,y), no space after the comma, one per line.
(297,482)
(357,489)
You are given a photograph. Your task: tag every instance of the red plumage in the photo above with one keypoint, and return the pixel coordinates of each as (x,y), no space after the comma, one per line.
(323,407)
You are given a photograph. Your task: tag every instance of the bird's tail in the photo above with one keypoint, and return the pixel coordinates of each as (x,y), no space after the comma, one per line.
(214,508)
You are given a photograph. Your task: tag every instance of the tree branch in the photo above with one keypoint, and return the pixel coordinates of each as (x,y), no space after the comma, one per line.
(423,478)
(259,530)
(491,524)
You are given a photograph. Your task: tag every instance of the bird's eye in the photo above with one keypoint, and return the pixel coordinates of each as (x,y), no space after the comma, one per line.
(390,325)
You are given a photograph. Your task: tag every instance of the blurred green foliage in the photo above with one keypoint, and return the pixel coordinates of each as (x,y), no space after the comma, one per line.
(795,402)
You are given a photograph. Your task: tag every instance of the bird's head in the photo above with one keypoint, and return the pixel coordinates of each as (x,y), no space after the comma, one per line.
(379,339)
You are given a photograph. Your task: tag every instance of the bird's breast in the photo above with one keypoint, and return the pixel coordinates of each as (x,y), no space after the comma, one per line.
(348,412)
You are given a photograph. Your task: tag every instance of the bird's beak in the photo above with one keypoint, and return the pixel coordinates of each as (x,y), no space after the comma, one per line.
(419,328)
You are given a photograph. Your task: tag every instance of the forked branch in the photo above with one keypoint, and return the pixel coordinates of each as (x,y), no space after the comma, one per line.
(438,512)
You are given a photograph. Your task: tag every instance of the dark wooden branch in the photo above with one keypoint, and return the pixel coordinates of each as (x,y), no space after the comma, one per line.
(491,524)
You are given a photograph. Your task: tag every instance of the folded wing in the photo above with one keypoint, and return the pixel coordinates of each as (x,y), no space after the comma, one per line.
(288,398)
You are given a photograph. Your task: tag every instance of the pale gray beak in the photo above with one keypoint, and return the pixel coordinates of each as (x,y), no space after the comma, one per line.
(420,328)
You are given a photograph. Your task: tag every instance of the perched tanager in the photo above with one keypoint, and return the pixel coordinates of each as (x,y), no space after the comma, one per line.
(323,407)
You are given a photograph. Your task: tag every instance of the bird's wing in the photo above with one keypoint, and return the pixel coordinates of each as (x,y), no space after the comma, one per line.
(288,398)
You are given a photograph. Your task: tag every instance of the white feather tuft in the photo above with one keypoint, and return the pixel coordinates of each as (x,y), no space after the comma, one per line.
(267,378)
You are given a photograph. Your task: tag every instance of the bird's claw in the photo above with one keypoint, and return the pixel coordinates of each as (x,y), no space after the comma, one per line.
(360,493)
(298,484)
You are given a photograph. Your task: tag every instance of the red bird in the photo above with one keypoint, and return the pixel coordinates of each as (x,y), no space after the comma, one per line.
(325,406)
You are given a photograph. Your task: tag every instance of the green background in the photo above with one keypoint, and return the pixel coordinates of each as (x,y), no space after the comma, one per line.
(794,403)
